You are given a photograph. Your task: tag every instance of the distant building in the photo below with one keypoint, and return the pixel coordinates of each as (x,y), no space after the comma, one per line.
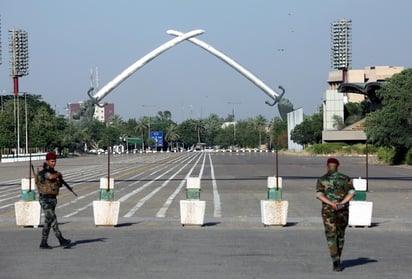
(352,87)
(101,113)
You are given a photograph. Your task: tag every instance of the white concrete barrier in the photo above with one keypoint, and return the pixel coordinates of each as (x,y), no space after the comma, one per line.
(360,213)
(192,212)
(27,213)
(106,213)
(274,213)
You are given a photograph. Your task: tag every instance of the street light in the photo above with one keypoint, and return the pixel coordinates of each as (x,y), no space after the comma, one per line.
(234,119)
(19,66)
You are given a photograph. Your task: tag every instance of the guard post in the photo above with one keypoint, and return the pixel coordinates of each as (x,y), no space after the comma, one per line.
(106,209)
(28,209)
(274,210)
(192,210)
(360,210)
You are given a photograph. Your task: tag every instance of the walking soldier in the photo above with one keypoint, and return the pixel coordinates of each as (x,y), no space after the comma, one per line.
(48,182)
(335,190)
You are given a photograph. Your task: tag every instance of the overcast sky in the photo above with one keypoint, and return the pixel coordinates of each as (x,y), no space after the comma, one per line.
(282,42)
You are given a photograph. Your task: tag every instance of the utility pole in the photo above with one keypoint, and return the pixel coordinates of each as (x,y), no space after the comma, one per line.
(234,119)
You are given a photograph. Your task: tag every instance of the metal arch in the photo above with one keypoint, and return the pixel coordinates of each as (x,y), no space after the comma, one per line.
(255,80)
(105,90)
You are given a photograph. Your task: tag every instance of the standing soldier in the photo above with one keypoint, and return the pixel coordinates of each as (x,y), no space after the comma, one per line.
(49,182)
(335,190)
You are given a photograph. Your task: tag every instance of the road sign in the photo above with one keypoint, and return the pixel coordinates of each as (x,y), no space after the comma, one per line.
(157,136)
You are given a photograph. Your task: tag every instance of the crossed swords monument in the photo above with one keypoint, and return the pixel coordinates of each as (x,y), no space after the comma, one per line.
(87,109)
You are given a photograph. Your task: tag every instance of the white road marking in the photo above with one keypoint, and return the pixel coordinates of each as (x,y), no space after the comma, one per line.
(149,196)
(162,212)
(216,197)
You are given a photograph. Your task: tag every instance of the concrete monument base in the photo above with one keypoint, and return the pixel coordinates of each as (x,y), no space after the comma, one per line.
(274,213)
(27,213)
(106,213)
(192,212)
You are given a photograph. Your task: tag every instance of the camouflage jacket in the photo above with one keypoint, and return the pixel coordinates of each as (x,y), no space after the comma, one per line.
(45,184)
(334,186)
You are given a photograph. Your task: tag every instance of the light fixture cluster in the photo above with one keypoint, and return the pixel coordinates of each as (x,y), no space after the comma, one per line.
(19,52)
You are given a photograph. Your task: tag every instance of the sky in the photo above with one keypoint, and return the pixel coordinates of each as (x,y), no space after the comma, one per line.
(283,43)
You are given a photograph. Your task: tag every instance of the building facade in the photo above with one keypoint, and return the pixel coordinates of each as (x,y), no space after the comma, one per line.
(334,101)
(102,113)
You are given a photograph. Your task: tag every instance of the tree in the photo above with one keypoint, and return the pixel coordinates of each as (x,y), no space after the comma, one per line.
(391,126)
(141,127)
(172,135)
(212,125)
(310,130)
(260,123)
(187,134)
(199,128)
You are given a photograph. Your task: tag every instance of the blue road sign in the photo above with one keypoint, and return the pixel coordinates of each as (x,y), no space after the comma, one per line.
(157,136)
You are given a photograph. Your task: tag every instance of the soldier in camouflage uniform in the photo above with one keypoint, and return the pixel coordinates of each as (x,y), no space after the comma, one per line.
(335,190)
(48,184)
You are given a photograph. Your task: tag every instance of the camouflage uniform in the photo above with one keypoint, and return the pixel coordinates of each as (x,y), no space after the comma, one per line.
(335,186)
(48,202)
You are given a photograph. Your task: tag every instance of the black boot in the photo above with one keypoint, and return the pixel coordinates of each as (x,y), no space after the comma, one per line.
(337,267)
(63,241)
(44,245)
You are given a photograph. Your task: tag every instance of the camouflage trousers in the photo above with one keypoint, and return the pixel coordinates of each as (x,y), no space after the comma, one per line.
(48,204)
(335,223)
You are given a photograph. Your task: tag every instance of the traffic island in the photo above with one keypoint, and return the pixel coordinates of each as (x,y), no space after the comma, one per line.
(106,209)
(274,210)
(192,210)
(28,209)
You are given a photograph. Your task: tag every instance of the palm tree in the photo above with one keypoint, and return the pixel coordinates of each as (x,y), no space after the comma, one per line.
(141,127)
(164,115)
(171,135)
(260,122)
(199,128)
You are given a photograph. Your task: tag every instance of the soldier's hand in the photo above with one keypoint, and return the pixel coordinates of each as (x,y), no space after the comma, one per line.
(335,206)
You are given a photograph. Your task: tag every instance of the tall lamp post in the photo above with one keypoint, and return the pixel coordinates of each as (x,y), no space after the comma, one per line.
(19,65)
(234,119)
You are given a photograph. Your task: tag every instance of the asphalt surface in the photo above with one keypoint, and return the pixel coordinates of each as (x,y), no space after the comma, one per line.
(149,241)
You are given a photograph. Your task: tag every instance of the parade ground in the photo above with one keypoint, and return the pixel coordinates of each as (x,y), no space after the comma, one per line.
(150,242)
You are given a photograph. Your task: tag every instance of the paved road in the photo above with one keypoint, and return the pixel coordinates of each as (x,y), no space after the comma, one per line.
(150,243)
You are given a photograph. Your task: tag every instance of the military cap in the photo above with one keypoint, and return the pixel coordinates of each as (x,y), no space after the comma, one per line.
(333,161)
(51,156)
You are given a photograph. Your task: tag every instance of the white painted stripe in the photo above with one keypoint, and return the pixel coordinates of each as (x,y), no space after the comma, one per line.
(203,166)
(149,196)
(216,198)
(124,197)
(162,212)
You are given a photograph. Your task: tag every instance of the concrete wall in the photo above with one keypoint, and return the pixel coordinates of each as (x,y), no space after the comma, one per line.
(294,118)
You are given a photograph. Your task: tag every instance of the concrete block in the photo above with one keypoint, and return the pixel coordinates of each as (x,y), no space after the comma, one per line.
(193,182)
(359,184)
(272,182)
(103,183)
(360,213)
(192,212)
(25,184)
(274,213)
(106,213)
(27,213)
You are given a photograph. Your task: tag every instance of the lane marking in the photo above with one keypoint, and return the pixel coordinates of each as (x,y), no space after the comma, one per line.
(216,197)
(151,194)
(162,212)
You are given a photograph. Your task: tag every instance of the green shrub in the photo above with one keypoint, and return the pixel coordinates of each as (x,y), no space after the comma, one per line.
(325,148)
(341,148)
(408,159)
(387,155)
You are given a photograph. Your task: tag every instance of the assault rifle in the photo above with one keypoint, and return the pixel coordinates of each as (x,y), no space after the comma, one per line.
(67,186)
(60,179)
